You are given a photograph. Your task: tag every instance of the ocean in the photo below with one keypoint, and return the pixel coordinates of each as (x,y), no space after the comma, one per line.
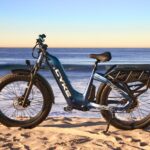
(78,55)
(78,67)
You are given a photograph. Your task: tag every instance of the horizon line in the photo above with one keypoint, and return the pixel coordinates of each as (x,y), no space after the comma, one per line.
(73,47)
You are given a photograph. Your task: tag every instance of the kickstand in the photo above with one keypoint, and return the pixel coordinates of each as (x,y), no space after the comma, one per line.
(109,122)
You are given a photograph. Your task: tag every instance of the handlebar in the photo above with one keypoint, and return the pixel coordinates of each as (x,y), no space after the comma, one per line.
(39,42)
(41,38)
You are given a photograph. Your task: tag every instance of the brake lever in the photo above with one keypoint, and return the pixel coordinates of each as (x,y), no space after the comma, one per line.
(33,49)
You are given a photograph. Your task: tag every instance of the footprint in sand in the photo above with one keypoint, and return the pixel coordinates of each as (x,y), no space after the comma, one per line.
(80,140)
(15,139)
(25,135)
(8,145)
(8,134)
(2,139)
(118,138)
(143,144)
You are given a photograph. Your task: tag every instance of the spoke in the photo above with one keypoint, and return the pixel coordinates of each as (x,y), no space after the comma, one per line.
(6,109)
(36,102)
(33,109)
(145,105)
(131,118)
(29,112)
(8,106)
(146,100)
(142,110)
(8,92)
(5,99)
(139,113)
(23,112)
(14,91)
(13,114)
(132,113)
(11,93)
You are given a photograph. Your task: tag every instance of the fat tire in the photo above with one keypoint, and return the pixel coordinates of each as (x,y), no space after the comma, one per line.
(102,96)
(47,102)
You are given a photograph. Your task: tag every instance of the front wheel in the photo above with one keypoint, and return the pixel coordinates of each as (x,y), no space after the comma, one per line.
(12,113)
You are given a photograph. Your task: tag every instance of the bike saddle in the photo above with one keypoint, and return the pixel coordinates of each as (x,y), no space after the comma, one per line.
(106,56)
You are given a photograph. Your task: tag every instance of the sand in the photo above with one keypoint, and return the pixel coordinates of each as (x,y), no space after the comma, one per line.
(73,133)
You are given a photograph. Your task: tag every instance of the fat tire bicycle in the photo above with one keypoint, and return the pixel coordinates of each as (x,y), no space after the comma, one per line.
(123,99)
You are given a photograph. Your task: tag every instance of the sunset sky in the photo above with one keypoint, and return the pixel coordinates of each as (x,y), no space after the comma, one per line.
(75,23)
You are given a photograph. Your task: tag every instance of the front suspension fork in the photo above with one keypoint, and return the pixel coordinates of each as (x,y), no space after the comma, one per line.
(29,86)
(32,76)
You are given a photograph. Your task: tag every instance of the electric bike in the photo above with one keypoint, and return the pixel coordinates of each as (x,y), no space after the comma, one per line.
(122,98)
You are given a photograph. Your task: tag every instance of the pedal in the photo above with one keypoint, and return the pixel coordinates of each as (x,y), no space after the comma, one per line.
(68,108)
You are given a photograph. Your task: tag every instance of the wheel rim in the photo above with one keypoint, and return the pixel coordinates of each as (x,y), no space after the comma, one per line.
(9,101)
(141,111)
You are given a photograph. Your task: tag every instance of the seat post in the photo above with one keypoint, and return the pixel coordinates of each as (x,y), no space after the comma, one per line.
(95,66)
(86,94)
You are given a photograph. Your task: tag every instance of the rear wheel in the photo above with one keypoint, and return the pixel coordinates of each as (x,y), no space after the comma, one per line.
(12,113)
(138,116)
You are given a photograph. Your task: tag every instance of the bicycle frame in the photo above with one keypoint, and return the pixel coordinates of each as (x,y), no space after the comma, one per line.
(75,98)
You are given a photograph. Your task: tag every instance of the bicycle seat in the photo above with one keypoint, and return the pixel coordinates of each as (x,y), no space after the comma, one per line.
(106,56)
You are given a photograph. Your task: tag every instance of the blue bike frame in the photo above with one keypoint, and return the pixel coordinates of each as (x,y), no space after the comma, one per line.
(75,98)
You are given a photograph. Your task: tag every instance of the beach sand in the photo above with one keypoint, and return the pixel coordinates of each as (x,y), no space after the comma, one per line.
(62,133)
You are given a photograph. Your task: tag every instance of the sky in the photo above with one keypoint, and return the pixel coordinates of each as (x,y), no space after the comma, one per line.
(75,23)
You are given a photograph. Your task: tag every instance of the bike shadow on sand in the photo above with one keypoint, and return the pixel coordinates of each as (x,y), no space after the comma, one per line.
(69,123)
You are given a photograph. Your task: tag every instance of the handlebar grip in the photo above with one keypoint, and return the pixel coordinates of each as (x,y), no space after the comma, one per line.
(42,36)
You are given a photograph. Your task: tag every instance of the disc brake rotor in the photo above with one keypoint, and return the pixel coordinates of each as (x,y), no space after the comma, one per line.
(18,103)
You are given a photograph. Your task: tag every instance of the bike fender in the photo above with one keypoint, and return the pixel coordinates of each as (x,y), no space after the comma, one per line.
(39,77)
(99,92)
